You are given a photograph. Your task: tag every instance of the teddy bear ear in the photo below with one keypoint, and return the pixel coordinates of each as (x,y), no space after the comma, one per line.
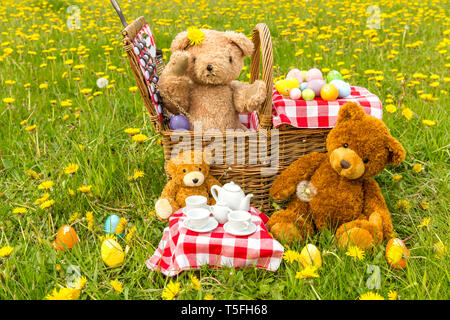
(396,151)
(241,41)
(350,111)
(180,42)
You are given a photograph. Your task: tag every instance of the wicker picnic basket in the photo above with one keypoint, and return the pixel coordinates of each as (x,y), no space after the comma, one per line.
(255,178)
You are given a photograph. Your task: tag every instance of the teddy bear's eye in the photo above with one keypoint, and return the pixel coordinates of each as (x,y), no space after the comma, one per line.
(230,59)
(345,145)
(199,169)
(195,59)
(366,160)
(184,170)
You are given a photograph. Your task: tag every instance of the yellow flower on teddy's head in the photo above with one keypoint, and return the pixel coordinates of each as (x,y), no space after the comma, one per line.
(195,35)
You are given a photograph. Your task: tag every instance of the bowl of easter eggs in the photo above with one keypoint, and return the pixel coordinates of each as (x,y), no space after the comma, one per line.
(311,84)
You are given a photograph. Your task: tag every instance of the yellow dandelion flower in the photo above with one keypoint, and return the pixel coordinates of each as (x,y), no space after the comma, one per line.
(86,91)
(370,296)
(403,204)
(121,226)
(30,128)
(440,249)
(392,295)
(47,204)
(417,168)
(355,252)
(139,138)
(74,217)
(130,234)
(209,297)
(195,36)
(46,185)
(291,256)
(138,174)
(71,168)
(308,272)
(391,108)
(19,210)
(42,199)
(6,251)
(64,294)
(132,131)
(133,89)
(407,113)
(84,189)
(171,290)
(117,285)
(195,282)
(425,222)
(397,177)
(90,219)
(8,100)
(23,122)
(429,123)
(424,205)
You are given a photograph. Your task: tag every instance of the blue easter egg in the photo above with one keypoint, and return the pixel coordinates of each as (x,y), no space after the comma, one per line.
(303,85)
(111,224)
(343,88)
(179,122)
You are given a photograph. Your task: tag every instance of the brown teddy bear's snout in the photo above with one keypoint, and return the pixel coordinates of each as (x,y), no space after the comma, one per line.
(347,163)
(194,179)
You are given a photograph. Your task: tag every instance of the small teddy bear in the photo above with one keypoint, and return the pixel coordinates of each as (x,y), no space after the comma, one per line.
(200,78)
(337,188)
(189,173)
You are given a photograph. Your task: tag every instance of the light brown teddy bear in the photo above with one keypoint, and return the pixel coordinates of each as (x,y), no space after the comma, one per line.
(337,188)
(189,173)
(200,78)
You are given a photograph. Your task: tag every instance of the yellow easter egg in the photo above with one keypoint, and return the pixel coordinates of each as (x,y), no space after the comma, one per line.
(284,86)
(310,256)
(112,253)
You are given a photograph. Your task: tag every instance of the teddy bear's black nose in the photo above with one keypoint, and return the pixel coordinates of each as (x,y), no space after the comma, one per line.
(195,180)
(209,67)
(345,164)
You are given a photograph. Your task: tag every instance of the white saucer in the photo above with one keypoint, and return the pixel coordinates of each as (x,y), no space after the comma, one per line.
(251,229)
(210,225)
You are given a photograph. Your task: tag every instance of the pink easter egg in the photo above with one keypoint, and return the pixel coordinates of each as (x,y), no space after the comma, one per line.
(316,85)
(295,94)
(296,74)
(313,74)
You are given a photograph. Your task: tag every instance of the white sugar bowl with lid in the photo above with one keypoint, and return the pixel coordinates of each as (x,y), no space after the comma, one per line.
(232,195)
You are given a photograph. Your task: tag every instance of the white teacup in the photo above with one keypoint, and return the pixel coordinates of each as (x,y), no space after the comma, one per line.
(239,220)
(195,202)
(197,217)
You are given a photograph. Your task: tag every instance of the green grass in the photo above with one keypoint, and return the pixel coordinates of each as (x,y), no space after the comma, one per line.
(108,156)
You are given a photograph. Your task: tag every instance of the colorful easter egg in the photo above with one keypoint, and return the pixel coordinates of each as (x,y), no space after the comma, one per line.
(334,75)
(397,254)
(295,94)
(112,253)
(329,92)
(316,85)
(284,86)
(313,74)
(308,94)
(303,85)
(66,238)
(310,256)
(296,74)
(179,122)
(111,224)
(343,88)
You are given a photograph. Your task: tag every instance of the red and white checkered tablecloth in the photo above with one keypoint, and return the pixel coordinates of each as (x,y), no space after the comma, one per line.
(319,113)
(181,249)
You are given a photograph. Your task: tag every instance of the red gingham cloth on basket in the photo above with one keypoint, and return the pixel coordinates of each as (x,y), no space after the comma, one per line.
(319,113)
(181,249)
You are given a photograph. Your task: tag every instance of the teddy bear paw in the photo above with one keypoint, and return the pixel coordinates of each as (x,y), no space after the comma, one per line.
(163,209)
(179,62)
(256,94)
(286,231)
(363,234)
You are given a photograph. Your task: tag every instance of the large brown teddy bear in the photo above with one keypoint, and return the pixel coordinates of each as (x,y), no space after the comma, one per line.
(190,176)
(337,188)
(200,78)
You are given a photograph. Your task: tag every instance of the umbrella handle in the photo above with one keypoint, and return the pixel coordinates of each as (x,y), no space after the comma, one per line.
(116,6)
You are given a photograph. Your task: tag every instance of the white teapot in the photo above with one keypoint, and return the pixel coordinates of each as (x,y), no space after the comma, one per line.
(232,195)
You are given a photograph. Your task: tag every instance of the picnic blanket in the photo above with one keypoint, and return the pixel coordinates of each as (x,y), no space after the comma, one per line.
(181,249)
(319,113)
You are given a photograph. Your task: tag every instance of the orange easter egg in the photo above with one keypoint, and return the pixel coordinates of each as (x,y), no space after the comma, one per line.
(66,238)
(397,254)
(329,92)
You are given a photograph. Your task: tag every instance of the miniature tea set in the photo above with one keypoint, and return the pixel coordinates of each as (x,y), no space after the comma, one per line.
(231,210)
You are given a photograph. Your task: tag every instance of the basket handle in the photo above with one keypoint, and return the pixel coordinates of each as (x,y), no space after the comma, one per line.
(263,44)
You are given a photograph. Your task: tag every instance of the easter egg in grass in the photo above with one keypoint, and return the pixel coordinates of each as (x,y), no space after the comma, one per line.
(179,122)
(310,256)
(316,85)
(314,74)
(397,254)
(66,238)
(284,86)
(111,224)
(308,94)
(112,253)
(296,74)
(343,88)
(334,75)
(295,94)
(329,92)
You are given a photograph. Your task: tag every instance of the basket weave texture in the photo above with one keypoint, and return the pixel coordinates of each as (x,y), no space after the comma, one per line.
(255,158)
